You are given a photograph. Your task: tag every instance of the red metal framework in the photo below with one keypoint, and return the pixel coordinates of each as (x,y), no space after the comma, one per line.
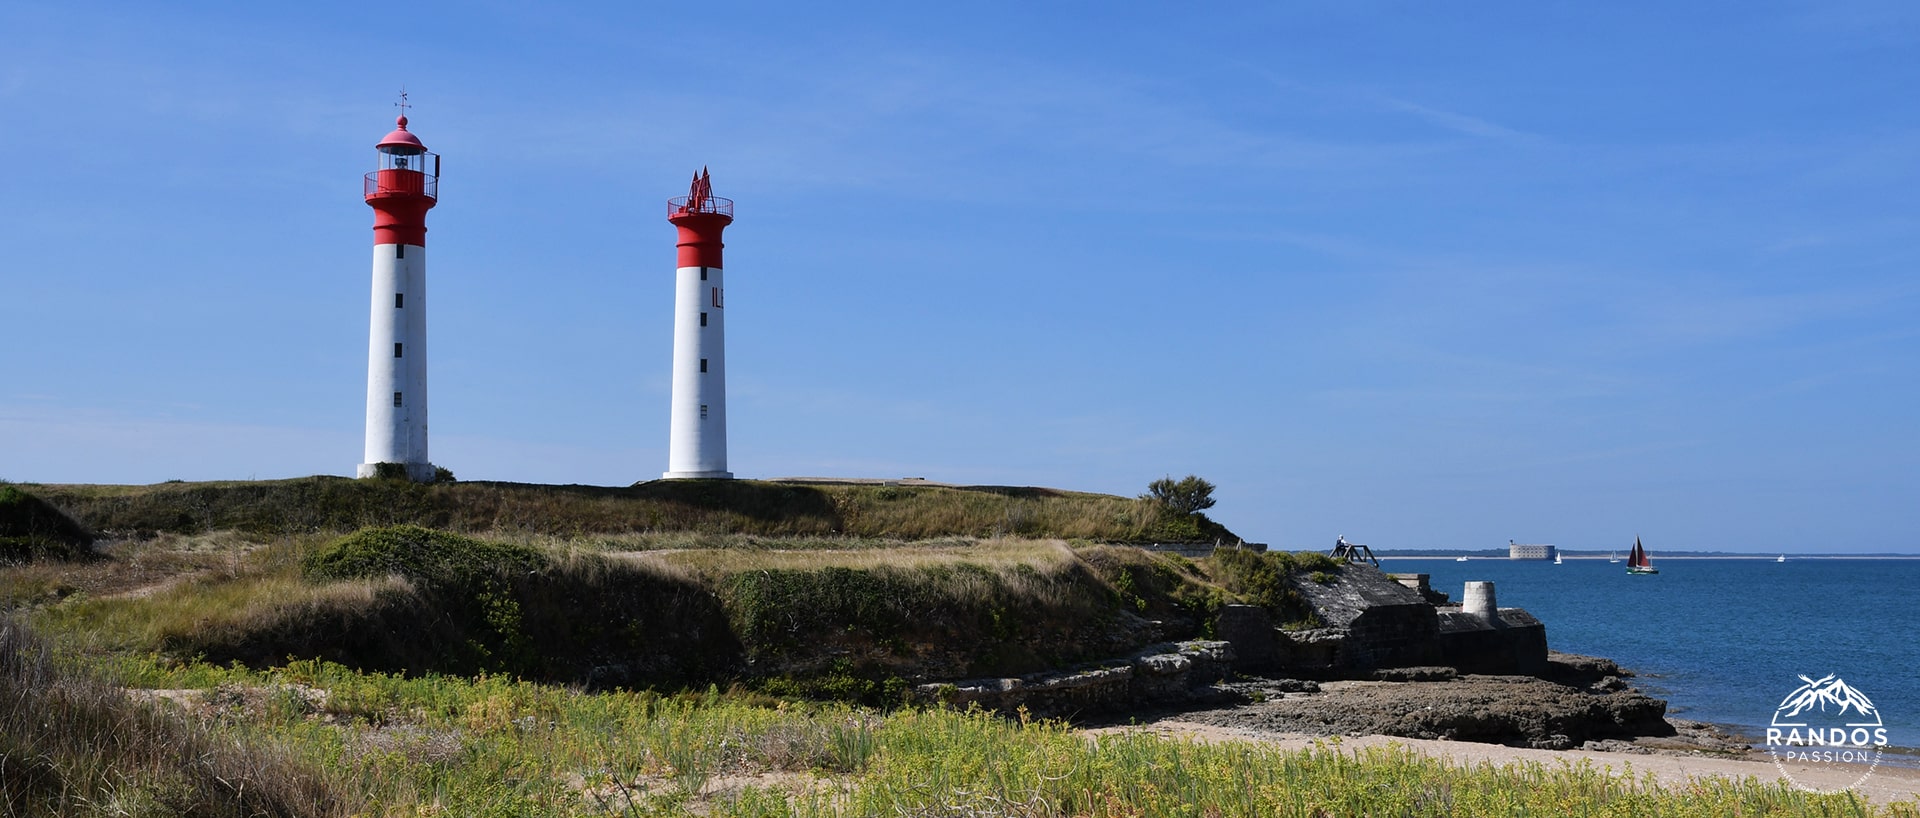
(401,183)
(700,199)
(682,205)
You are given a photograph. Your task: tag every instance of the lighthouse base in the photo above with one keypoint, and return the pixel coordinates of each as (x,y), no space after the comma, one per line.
(417,472)
(697,475)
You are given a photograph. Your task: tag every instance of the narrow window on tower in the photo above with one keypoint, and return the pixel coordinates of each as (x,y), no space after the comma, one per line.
(396,350)
(703,363)
(703,411)
(703,319)
(399,301)
(703,274)
(399,251)
(396,398)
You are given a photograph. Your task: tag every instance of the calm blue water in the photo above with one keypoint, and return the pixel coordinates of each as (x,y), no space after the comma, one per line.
(1725,640)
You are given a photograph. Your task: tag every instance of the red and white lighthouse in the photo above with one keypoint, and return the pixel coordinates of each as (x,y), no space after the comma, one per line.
(401,191)
(697,433)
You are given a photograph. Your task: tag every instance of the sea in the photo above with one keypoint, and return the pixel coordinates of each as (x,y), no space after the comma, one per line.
(1724,640)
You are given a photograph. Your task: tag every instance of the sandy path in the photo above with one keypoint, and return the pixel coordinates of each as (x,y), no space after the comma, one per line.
(1886,784)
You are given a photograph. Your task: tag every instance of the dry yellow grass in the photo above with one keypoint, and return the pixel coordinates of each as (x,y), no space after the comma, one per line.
(994,553)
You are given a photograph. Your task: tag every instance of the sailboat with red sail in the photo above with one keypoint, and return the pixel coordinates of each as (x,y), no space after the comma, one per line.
(1637,562)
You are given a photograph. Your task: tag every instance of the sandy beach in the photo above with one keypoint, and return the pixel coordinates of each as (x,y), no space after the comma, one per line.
(1887,783)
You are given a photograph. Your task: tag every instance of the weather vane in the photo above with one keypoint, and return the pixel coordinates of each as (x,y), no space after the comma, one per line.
(403,104)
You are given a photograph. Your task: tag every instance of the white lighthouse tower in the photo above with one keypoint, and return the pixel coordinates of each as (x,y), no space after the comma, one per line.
(697,431)
(405,186)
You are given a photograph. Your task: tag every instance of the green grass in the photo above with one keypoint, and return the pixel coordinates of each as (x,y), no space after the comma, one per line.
(439,713)
(320,739)
(708,507)
(284,662)
(73,743)
(838,622)
(861,623)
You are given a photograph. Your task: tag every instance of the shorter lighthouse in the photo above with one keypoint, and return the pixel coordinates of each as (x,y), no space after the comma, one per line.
(401,191)
(697,429)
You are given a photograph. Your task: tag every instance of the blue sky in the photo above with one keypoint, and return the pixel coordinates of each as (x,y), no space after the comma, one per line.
(1426,275)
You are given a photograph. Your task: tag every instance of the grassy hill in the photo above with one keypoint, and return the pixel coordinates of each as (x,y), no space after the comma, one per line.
(330,647)
(839,589)
(745,507)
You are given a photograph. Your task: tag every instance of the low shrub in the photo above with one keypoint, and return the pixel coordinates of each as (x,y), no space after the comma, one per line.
(1261,578)
(32,529)
(421,554)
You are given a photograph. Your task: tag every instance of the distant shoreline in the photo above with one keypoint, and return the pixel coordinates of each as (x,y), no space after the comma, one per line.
(1791,557)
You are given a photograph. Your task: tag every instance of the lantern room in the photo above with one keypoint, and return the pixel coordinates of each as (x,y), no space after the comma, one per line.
(407,168)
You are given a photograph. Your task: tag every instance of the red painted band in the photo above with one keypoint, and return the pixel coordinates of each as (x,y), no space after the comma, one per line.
(700,238)
(400,204)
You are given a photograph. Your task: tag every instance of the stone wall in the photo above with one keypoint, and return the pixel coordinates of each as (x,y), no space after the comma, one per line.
(1512,644)
(1368,620)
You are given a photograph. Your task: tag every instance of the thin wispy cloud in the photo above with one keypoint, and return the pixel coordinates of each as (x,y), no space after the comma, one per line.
(1461,123)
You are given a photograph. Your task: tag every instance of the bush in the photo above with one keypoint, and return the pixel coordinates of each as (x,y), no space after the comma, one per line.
(1187,495)
(436,558)
(474,581)
(1263,578)
(32,529)
(390,471)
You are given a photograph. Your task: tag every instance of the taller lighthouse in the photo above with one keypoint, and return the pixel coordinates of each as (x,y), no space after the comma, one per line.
(697,433)
(401,191)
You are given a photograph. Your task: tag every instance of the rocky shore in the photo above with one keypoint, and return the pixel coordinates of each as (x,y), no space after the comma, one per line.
(1387,656)
(1603,713)
(1579,702)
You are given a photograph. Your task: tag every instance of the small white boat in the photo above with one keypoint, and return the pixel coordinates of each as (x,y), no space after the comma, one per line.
(1781,558)
(1556,559)
(1614,558)
(1459,559)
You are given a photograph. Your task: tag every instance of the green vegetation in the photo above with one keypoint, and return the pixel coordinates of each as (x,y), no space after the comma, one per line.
(329,647)
(668,507)
(859,623)
(1261,577)
(1188,495)
(421,554)
(398,471)
(317,739)
(31,529)
(73,743)
(1179,504)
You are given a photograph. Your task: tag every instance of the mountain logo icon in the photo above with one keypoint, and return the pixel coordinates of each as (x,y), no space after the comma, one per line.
(1826,724)
(1832,697)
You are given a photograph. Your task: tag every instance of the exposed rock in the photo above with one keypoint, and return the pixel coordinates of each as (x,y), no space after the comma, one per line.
(1498,709)
(1614,745)
(1165,674)
(1239,691)
(1580,671)
(1697,737)
(1414,674)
